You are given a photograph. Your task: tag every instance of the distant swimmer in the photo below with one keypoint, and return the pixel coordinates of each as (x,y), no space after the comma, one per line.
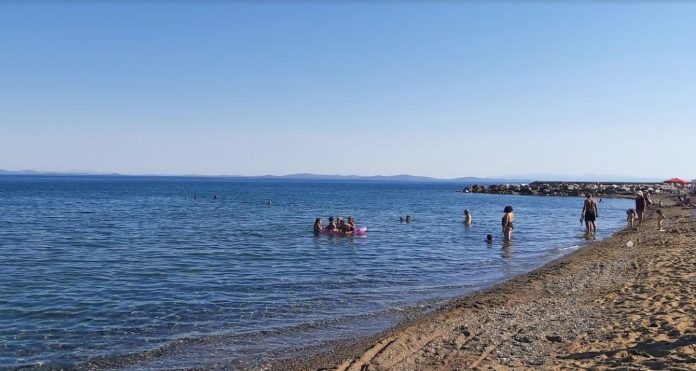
(269,203)
(332,224)
(317,226)
(344,227)
(467,217)
(408,218)
(351,222)
(489,238)
(214,197)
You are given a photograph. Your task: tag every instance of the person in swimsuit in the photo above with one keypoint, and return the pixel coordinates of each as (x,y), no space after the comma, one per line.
(507,223)
(590,214)
(332,225)
(343,226)
(317,226)
(351,223)
(640,207)
(467,217)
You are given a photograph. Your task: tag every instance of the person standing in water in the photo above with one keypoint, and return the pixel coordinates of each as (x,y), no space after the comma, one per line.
(332,224)
(507,223)
(317,226)
(467,217)
(351,223)
(589,214)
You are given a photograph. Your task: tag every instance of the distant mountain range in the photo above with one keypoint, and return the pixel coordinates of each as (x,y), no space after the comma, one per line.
(302,176)
(376,178)
(395,178)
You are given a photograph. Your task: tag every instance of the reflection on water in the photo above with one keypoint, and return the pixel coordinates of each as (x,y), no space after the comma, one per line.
(507,249)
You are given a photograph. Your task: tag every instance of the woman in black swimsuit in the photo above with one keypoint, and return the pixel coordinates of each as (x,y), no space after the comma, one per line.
(507,223)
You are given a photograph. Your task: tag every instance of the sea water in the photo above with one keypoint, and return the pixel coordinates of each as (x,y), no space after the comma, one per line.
(168,272)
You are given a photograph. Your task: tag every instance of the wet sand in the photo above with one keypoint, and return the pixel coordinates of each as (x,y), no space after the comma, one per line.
(607,306)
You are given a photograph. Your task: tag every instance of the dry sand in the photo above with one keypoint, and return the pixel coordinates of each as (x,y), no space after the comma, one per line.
(605,306)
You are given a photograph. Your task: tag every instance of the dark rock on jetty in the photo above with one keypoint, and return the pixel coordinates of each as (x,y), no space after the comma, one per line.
(597,189)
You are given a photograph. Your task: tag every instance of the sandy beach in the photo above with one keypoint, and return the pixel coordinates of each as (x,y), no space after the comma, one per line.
(627,302)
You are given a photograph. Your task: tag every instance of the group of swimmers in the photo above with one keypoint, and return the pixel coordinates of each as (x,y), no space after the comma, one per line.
(337,225)
(589,215)
(506,222)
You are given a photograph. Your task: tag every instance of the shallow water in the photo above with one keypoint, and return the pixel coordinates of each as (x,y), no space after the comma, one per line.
(100,268)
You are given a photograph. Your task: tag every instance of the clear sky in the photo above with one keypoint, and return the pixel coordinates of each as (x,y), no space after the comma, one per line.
(443,89)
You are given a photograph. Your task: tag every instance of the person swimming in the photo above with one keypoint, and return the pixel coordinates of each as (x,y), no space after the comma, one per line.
(343,227)
(489,238)
(317,226)
(467,217)
(332,224)
(351,223)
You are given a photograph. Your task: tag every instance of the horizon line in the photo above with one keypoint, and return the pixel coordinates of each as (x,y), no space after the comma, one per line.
(546,178)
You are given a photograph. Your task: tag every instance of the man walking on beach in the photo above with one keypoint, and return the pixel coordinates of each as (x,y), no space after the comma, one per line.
(590,214)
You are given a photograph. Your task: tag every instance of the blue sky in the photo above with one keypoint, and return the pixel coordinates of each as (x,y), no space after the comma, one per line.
(444,89)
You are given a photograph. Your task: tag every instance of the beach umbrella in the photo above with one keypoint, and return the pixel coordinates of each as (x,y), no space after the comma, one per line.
(676,181)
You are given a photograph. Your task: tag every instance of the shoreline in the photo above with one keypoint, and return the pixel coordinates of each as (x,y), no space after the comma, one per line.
(595,307)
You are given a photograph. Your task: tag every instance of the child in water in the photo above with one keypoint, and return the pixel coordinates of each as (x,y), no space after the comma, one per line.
(630,217)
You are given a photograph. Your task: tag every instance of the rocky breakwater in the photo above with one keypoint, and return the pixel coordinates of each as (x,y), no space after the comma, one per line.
(598,189)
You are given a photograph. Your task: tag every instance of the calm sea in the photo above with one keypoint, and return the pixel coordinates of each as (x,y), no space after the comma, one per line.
(182,272)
